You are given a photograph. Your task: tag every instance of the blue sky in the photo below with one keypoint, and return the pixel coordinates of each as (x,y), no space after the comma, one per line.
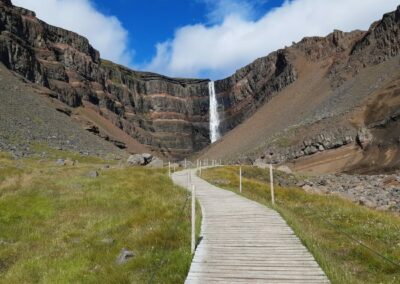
(153,21)
(202,38)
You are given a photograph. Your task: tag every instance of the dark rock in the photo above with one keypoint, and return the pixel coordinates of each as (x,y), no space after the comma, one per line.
(64,110)
(124,256)
(6,2)
(144,160)
(119,144)
(323,182)
(147,157)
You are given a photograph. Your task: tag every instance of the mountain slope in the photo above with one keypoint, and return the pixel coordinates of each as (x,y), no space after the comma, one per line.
(168,115)
(30,123)
(347,87)
(313,97)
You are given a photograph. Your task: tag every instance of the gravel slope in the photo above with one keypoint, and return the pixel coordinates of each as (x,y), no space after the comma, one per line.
(28,118)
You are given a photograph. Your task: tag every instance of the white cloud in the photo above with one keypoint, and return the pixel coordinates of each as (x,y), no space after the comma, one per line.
(105,33)
(218,9)
(218,50)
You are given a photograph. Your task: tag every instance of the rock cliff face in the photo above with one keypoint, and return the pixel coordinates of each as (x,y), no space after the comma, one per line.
(332,99)
(169,115)
(241,94)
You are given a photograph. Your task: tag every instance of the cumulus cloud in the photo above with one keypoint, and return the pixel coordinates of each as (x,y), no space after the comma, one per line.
(218,9)
(105,33)
(219,49)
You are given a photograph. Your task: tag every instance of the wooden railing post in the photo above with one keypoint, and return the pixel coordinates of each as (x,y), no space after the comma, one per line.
(193,244)
(271,177)
(240,179)
(200,168)
(188,180)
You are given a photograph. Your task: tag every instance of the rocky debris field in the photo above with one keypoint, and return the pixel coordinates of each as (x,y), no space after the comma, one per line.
(27,120)
(375,191)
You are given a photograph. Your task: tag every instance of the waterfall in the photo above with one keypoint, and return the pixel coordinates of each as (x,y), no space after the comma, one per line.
(214,118)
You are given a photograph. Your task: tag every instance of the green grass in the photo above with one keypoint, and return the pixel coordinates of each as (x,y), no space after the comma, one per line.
(53,220)
(52,153)
(322,222)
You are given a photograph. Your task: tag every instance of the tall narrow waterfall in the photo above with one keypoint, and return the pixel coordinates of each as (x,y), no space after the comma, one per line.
(214,118)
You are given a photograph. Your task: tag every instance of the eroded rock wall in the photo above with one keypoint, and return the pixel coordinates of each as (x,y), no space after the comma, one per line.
(169,115)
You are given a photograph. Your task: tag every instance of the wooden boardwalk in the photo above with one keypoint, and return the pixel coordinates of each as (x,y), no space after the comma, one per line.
(245,242)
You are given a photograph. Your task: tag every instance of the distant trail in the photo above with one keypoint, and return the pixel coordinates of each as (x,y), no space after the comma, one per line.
(245,242)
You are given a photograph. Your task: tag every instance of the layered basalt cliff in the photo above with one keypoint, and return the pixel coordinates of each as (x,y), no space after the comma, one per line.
(320,101)
(169,115)
(241,94)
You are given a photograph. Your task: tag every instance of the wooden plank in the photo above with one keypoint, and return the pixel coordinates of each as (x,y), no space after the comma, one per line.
(245,242)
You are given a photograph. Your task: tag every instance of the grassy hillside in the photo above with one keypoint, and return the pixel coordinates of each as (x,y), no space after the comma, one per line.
(329,226)
(58,225)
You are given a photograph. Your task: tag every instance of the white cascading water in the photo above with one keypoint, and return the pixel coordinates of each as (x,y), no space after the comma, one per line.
(214,117)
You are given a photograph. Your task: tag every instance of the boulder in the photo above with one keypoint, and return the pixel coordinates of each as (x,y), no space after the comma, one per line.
(136,160)
(364,138)
(156,163)
(60,162)
(145,159)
